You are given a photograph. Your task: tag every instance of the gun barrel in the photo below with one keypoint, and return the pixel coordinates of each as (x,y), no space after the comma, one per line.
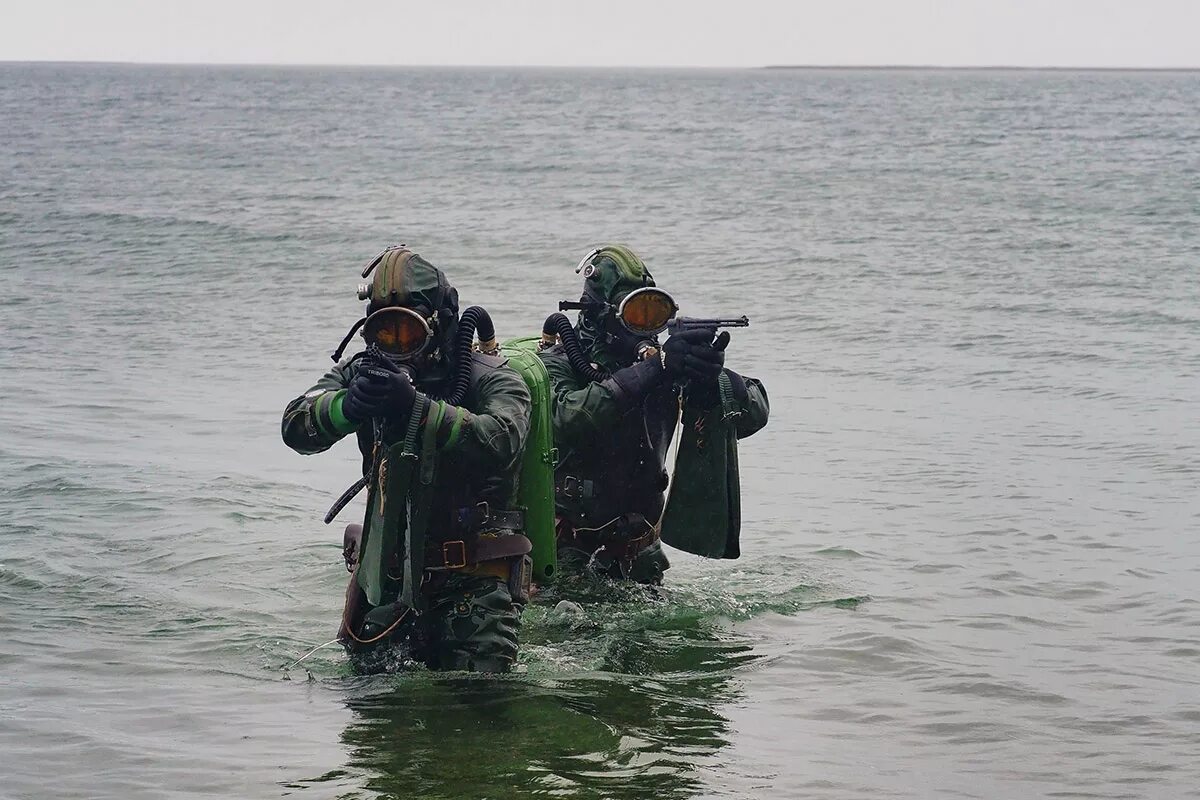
(683,323)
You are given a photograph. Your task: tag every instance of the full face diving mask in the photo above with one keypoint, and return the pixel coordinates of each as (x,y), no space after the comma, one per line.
(646,312)
(642,312)
(399,332)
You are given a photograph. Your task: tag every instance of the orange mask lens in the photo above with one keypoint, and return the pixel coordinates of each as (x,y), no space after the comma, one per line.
(397,331)
(647,311)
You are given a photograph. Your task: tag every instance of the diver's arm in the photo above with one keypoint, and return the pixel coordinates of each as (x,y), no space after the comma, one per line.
(751,396)
(582,409)
(492,436)
(314,422)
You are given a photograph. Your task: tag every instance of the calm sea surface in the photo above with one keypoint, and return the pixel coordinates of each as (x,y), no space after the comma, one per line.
(972,527)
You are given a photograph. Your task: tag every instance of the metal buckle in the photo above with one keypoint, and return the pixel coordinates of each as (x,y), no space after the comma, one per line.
(474,517)
(448,563)
(570,487)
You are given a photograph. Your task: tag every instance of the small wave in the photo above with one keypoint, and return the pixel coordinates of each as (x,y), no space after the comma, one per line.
(838,552)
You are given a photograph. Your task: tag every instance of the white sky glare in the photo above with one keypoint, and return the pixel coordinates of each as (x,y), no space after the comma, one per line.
(1102,33)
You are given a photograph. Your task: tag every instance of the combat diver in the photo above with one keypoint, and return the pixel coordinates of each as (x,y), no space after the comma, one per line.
(616,403)
(440,564)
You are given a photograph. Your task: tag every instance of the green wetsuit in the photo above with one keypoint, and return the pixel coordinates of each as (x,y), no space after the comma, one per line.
(612,458)
(472,619)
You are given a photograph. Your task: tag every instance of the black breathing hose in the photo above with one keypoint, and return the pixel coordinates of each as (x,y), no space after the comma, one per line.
(474,320)
(559,325)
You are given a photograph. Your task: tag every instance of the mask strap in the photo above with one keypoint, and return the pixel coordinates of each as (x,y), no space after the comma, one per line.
(369,268)
(337,354)
(586,260)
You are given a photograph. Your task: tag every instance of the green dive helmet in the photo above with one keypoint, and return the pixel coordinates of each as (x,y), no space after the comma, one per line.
(411,306)
(617,282)
(400,277)
(612,271)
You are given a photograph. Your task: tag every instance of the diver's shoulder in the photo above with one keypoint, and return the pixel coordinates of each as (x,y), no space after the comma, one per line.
(556,354)
(493,376)
(489,370)
(483,362)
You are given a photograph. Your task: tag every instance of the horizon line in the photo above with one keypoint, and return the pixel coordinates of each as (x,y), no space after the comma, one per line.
(853,67)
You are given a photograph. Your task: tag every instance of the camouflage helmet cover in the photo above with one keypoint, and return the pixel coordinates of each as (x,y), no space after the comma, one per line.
(614,271)
(403,278)
(611,272)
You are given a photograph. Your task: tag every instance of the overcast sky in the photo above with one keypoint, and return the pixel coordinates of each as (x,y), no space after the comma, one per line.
(1116,33)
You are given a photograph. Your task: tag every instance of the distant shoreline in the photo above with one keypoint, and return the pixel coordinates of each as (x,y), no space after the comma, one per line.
(777,67)
(980,68)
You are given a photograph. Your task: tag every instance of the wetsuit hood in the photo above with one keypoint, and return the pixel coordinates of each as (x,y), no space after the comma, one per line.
(403,278)
(610,272)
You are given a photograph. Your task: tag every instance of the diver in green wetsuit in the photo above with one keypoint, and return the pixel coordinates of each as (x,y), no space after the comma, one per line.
(615,413)
(440,564)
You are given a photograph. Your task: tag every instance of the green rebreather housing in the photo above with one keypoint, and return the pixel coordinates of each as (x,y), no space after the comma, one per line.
(536,492)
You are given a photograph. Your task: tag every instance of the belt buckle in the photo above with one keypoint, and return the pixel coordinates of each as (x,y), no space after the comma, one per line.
(473,517)
(571,487)
(448,562)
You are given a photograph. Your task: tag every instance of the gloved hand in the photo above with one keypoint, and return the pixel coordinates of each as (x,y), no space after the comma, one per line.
(380,389)
(693,355)
(353,409)
(631,383)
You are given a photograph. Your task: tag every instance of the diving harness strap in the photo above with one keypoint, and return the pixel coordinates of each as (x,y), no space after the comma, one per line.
(417,505)
(346,497)
(395,504)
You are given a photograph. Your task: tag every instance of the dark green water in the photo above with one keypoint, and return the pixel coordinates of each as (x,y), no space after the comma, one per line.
(970,564)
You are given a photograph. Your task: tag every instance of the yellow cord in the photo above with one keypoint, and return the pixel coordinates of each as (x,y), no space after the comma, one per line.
(390,628)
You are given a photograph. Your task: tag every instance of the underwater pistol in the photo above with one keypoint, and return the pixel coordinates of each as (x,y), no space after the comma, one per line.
(681,324)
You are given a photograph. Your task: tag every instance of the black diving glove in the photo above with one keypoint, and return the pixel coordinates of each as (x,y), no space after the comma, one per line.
(354,408)
(703,390)
(631,384)
(380,389)
(694,356)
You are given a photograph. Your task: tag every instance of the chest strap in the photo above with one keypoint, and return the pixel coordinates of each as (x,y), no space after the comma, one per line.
(482,517)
